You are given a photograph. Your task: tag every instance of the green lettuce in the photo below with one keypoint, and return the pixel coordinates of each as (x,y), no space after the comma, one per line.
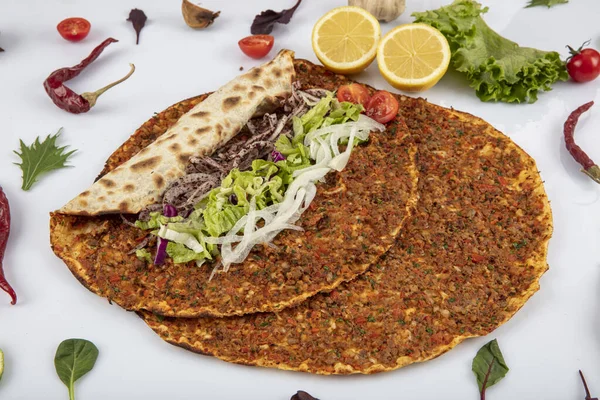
(144,255)
(156,220)
(497,68)
(181,254)
(265,182)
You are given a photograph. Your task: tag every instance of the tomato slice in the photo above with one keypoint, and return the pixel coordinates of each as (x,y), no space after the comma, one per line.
(74,29)
(257,46)
(354,93)
(383,107)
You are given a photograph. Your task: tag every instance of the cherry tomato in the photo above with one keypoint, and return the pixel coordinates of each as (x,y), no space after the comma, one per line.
(257,46)
(383,107)
(74,29)
(583,65)
(354,93)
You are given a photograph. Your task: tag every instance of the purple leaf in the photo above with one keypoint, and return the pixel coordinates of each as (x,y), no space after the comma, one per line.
(263,23)
(138,19)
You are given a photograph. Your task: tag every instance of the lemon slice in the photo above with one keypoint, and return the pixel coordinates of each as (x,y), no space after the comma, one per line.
(345,39)
(1,364)
(413,57)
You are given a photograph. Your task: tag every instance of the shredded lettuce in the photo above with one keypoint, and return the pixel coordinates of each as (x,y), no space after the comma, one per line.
(181,254)
(497,68)
(144,255)
(156,220)
(314,117)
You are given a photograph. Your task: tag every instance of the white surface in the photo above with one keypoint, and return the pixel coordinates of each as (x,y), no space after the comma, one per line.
(554,335)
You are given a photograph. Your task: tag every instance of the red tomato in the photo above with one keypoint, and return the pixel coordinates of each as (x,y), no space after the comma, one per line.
(583,65)
(257,46)
(74,29)
(383,107)
(354,93)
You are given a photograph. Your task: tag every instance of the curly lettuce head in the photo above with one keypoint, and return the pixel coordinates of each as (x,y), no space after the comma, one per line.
(497,68)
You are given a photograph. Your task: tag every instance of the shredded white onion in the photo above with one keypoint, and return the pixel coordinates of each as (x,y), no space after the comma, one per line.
(186,239)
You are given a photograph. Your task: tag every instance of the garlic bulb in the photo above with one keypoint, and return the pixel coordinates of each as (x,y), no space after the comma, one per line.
(383,10)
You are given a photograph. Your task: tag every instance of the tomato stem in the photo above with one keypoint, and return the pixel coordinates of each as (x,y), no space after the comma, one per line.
(574,52)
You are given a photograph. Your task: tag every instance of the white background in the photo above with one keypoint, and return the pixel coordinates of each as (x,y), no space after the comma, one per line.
(554,335)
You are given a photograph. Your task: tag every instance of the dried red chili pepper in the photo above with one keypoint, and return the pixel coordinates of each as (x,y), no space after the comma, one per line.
(589,167)
(588,396)
(4,232)
(66,98)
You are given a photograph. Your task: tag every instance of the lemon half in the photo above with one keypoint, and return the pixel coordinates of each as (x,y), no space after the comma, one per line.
(413,57)
(345,39)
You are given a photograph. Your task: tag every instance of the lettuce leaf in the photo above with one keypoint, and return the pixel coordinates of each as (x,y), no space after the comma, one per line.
(144,255)
(181,254)
(156,220)
(266,182)
(313,119)
(497,68)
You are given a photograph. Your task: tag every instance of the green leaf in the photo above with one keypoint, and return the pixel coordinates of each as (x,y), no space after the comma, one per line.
(547,3)
(74,358)
(144,255)
(497,68)
(40,158)
(489,366)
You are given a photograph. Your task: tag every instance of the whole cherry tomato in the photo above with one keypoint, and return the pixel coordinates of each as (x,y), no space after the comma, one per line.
(584,64)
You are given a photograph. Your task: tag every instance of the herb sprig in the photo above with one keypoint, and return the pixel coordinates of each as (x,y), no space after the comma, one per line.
(40,158)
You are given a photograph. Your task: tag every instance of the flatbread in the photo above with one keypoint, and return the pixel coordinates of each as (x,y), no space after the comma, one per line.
(467,260)
(142,180)
(352,222)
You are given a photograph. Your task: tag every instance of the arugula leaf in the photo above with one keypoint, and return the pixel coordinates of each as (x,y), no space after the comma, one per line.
(40,158)
(497,68)
(74,358)
(548,3)
(489,366)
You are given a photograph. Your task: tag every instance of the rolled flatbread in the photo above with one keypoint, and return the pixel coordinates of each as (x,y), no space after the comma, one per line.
(142,180)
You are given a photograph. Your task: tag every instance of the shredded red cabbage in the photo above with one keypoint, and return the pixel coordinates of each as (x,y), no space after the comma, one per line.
(277,156)
(161,248)
(169,211)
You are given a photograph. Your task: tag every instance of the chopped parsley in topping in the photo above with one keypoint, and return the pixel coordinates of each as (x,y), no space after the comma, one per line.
(520,244)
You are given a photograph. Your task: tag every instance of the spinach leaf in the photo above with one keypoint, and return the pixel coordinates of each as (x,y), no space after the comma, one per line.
(74,358)
(489,366)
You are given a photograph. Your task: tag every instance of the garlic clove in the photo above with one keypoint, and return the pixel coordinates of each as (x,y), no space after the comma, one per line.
(383,10)
(197,17)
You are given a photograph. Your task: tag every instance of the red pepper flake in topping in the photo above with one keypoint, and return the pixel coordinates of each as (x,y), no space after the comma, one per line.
(476,258)
(589,167)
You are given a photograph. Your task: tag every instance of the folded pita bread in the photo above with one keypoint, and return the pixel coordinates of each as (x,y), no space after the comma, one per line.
(142,180)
